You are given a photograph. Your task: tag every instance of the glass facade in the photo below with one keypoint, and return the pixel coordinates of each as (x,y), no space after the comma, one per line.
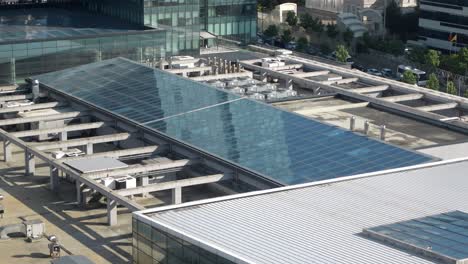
(234,19)
(154,246)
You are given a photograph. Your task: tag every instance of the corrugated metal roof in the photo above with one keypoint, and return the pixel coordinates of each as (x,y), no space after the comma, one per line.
(322,223)
(87,165)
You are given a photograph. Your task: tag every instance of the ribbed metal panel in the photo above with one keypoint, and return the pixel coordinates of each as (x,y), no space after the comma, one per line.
(321,224)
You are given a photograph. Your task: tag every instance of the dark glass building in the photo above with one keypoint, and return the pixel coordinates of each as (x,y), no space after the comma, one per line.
(38,37)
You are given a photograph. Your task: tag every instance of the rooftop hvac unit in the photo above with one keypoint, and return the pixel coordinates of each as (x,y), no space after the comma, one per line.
(109,182)
(17,103)
(126,182)
(258,96)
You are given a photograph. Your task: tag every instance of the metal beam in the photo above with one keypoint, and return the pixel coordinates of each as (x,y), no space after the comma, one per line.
(70,128)
(24,120)
(402,98)
(118,153)
(15,97)
(139,168)
(372,89)
(29,107)
(437,107)
(81,141)
(174,184)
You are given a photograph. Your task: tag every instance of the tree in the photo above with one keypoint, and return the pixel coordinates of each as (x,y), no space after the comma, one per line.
(332,31)
(409,77)
(271,32)
(306,21)
(286,37)
(302,43)
(393,17)
(433,82)
(291,18)
(432,58)
(466,94)
(341,53)
(451,89)
(348,36)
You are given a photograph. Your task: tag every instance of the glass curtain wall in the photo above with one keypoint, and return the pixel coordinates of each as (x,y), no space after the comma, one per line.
(234,19)
(180,19)
(153,246)
(128,10)
(21,60)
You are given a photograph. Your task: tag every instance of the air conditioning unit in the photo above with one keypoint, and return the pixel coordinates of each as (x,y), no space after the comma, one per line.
(126,182)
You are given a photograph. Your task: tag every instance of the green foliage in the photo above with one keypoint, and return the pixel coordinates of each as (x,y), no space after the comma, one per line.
(286,36)
(451,89)
(418,55)
(433,82)
(394,47)
(302,43)
(311,24)
(341,53)
(332,31)
(291,18)
(432,58)
(271,32)
(465,94)
(409,77)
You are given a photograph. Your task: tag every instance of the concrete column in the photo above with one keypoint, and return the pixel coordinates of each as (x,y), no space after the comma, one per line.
(111,212)
(30,163)
(7,146)
(352,123)
(63,136)
(13,70)
(366,127)
(89,149)
(99,55)
(382,132)
(82,194)
(177,195)
(54,178)
(144,182)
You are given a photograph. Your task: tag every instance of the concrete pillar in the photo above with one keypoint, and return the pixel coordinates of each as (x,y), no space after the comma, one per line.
(82,194)
(7,146)
(237,65)
(366,127)
(352,123)
(54,178)
(13,70)
(89,149)
(161,64)
(111,212)
(382,132)
(35,90)
(63,136)
(177,195)
(98,55)
(144,182)
(30,163)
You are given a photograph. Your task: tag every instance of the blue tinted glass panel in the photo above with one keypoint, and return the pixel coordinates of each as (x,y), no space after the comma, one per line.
(285,147)
(443,234)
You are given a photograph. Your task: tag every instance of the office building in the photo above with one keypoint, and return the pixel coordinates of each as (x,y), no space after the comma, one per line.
(443,25)
(63,33)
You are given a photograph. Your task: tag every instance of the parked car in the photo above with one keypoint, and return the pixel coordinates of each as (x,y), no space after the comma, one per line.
(292,45)
(358,67)
(374,72)
(386,72)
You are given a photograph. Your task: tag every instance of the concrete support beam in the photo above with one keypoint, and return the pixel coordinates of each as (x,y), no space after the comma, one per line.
(54,178)
(437,107)
(28,107)
(311,74)
(223,76)
(190,70)
(402,98)
(341,81)
(144,182)
(24,120)
(90,148)
(17,97)
(161,186)
(30,163)
(139,168)
(63,136)
(81,141)
(111,212)
(177,195)
(82,194)
(372,89)
(118,153)
(288,67)
(70,128)
(7,149)
(331,108)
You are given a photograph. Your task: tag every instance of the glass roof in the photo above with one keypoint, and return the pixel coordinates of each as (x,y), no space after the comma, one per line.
(283,146)
(443,234)
(50,23)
